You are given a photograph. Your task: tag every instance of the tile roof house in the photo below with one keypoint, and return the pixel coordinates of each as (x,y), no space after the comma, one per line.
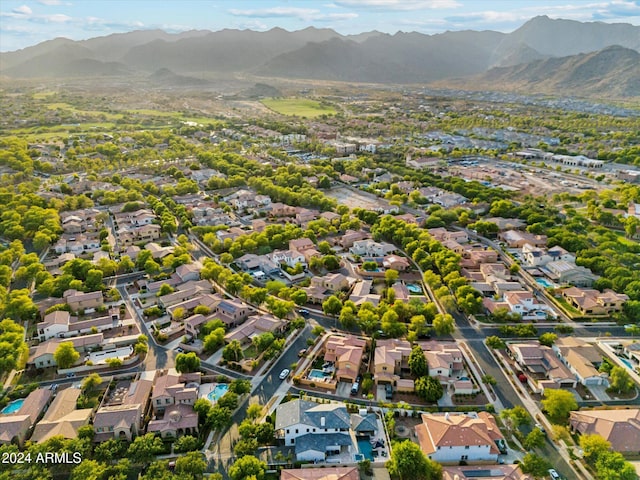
(61,324)
(542,365)
(14,427)
(326,473)
(62,417)
(361,293)
(396,262)
(42,355)
(346,353)
(313,429)
(390,360)
(80,300)
(370,248)
(455,437)
(255,326)
(169,390)
(123,419)
(496,472)
(517,239)
(180,419)
(582,358)
(620,427)
(567,272)
(594,302)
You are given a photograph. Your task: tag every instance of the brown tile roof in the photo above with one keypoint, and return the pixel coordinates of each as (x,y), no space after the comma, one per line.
(456,429)
(620,427)
(329,473)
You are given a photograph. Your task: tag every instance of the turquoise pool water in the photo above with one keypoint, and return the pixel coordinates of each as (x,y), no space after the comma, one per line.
(627,363)
(14,406)
(217,392)
(315,373)
(413,288)
(365,448)
(544,282)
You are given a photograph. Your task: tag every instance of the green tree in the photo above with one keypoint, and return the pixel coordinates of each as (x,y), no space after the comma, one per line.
(90,382)
(233,351)
(88,470)
(347,318)
(390,277)
(620,381)
(109,450)
(144,448)
(66,355)
(331,263)
(219,417)
(265,433)
(495,342)
(418,362)
(186,443)
(613,466)
(187,362)
(191,465)
(516,416)
(254,411)
(409,463)
(535,465)
(443,324)
(593,447)
(535,439)
(214,340)
(332,306)
(247,467)
(558,404)
(548,339)
(165,289)
(245,446)
(429,388)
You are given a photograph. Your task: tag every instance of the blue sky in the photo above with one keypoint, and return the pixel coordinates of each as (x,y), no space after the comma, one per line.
(27,22)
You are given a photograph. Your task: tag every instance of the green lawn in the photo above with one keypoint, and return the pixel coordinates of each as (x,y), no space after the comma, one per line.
(300,107)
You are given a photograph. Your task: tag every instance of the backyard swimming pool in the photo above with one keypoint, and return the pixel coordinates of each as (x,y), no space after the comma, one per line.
(413,288)
(365,448)
(315,373)
(14,406)
(544,282)
(217,392)
(627,363)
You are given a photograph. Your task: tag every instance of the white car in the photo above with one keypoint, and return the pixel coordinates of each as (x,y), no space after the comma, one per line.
(284,374)
(553,474)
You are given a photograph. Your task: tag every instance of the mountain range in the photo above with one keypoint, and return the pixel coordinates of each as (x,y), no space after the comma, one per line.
(554,56)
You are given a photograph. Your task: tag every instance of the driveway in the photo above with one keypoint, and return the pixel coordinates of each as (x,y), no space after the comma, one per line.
(344,389)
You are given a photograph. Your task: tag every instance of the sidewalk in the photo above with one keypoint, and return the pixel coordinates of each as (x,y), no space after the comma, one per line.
(536,413)
(477,373)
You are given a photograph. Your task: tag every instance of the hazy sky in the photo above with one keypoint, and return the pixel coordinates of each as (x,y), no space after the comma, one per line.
(27,22)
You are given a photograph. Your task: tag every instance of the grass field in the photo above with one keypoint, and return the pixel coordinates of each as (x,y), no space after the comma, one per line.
(300,107)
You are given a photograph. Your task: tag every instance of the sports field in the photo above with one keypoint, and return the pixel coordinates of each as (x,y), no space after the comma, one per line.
(300,107)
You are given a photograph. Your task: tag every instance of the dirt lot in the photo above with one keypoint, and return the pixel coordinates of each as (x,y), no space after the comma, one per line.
(355,200)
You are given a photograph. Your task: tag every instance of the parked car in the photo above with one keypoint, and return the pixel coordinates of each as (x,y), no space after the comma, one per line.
(302,352)
(540,427)
(304,312)
(354,388)
(388,390)
(553,474)
(284,373)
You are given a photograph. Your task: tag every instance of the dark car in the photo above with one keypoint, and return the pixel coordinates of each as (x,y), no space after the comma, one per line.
(304,312)
(388,390)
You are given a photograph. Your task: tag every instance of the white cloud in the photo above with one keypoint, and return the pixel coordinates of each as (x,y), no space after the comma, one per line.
(304,14)
(400,4)
(50,2)
(23,10)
